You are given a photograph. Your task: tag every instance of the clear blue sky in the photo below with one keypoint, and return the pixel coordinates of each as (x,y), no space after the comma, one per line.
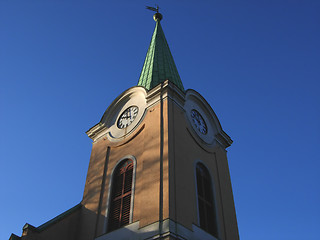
(256,62)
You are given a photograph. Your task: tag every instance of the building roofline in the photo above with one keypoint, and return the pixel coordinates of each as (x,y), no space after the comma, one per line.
(58,218)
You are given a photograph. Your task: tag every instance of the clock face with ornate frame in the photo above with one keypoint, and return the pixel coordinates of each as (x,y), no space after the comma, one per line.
(198,121)
(127,117)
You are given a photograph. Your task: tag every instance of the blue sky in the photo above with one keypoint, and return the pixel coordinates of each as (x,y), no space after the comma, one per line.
(256,62)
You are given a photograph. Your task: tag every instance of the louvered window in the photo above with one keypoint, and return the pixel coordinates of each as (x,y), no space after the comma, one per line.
(119,214)
(207,213)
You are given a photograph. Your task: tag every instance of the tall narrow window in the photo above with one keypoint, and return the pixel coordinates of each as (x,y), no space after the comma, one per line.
(120,201)
(207,213)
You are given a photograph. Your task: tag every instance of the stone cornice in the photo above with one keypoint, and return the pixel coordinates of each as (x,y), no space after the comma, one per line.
(165,90)
(97,131)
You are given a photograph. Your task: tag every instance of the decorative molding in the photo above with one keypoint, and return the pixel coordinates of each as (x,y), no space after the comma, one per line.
(167,90)
(97,131)
(145,100)
(215,132)
(108,124)
(214,192)
(169,228)
(110,189)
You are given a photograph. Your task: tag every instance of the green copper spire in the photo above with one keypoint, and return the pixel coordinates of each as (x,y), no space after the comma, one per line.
(159,64)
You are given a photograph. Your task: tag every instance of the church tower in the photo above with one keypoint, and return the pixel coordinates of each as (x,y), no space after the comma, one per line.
(158,167)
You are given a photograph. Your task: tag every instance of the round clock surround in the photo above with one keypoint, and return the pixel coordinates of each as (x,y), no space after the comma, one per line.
(125,114)
(203,123)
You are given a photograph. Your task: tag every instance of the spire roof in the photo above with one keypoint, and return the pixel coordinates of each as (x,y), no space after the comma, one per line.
(159,64)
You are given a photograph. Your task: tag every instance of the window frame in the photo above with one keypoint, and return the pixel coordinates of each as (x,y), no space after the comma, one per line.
(110,185)
(214,198)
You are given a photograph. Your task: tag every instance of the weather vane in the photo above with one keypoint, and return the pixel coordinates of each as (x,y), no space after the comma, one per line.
(157,16)
(153,9)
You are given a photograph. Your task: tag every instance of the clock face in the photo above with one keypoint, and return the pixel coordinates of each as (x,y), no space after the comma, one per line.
(198,121)
(127,117)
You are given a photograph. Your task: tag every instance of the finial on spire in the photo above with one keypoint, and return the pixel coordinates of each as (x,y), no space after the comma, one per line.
(157,16)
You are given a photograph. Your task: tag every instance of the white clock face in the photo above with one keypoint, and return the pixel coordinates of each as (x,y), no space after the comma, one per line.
(127,117)
(198,121)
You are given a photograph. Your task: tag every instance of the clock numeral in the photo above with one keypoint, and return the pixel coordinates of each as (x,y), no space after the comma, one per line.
(135,110)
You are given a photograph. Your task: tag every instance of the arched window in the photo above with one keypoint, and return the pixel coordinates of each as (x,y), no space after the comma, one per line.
(207,211)
(121,190)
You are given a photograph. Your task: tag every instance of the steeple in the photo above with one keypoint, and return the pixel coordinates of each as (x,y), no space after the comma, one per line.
(159,64)
(158,167)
